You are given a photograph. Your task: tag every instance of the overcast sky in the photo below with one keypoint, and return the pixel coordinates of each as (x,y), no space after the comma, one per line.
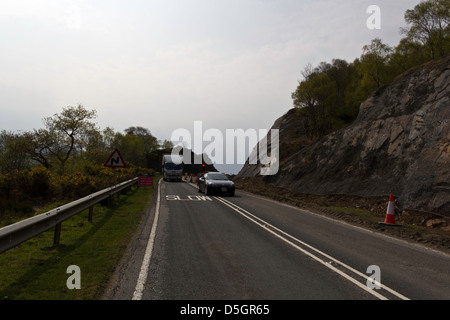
(164,64)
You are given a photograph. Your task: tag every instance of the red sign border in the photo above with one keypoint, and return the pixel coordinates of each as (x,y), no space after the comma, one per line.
(110,157)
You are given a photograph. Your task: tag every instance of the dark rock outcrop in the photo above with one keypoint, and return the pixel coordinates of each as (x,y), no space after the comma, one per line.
(399,143)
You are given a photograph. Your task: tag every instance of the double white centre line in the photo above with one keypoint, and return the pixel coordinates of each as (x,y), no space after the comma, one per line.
(315,253)
(337,266)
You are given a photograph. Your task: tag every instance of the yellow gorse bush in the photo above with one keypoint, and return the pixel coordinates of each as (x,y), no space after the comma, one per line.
(43,185)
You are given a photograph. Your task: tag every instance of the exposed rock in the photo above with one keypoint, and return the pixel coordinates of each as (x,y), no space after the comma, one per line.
(441,223)
(291,138)
(399,143)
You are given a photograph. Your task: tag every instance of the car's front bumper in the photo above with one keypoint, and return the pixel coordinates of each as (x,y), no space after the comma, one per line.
(220,189)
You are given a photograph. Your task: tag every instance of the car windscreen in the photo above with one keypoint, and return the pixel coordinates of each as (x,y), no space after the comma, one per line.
(216,177)
(173,166)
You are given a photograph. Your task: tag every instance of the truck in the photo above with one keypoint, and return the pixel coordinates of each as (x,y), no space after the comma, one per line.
(172,167)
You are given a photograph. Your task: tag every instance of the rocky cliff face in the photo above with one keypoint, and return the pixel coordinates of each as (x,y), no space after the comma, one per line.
(399,143)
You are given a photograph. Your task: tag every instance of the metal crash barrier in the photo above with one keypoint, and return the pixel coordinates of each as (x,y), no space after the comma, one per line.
(15,234)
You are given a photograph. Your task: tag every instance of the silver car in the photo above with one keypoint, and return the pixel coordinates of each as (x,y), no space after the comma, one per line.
(214,183)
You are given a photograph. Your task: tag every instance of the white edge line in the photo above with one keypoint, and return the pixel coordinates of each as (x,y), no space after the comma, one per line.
(359,284)
(377,234)
(264,225)
(142,279)
(399,295)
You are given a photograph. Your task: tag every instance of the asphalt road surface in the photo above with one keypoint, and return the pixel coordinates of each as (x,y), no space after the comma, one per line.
(197,247)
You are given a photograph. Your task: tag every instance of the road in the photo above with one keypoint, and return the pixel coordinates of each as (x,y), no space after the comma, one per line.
(197,247)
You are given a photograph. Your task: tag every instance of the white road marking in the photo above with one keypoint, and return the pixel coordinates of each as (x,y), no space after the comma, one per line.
(142,279)
(267,226)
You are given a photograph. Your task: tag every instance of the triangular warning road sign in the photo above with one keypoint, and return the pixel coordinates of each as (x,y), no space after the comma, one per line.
(115,160)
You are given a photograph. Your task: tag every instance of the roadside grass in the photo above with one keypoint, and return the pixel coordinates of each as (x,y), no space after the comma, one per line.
(35,271)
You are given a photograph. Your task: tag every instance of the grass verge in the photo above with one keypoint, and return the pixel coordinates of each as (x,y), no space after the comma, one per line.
(31,271)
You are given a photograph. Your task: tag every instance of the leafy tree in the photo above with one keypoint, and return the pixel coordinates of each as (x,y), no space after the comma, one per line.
(96,148)
(374,65)
(344,77)
(108,135)
(43,142)
(330,94)
(131,148)
(150,143)
(406,55)
(15,151)
(428,23)
(63,133)
(166,145)
(323,97)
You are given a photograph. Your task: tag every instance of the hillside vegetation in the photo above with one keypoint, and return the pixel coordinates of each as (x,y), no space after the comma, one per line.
(64,161)
(329,95)
(374,126)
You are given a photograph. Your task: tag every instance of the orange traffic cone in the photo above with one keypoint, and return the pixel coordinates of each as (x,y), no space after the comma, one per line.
(390,213)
